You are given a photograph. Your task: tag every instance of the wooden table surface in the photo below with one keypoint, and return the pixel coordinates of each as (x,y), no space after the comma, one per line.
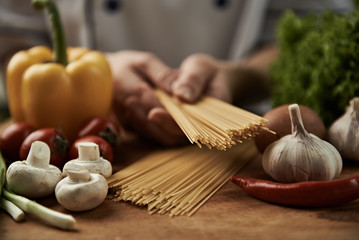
(229,214)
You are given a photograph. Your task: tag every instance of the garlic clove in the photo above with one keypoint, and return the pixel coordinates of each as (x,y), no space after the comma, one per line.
(344,132)
(301,156)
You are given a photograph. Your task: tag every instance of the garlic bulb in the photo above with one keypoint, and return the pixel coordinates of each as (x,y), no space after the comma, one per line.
(344,132)
(301,156)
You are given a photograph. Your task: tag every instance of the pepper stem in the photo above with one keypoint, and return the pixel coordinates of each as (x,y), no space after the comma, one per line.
(58,36)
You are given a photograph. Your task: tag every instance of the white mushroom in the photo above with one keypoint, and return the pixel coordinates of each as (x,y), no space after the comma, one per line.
(81,190)
(89,158)
(34,177)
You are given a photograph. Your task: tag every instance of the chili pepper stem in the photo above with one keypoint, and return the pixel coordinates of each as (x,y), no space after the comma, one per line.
(239,181)
(58,36)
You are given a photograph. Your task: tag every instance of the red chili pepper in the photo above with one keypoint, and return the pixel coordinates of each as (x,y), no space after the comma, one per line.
(302,194)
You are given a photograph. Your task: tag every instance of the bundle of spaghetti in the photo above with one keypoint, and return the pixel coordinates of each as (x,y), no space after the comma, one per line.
(212,122)
(178,181)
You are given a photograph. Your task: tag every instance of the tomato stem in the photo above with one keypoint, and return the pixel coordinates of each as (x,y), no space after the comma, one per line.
(58,36)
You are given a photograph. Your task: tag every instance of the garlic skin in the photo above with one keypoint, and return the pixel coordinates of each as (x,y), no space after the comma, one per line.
(344,132)
(301,156)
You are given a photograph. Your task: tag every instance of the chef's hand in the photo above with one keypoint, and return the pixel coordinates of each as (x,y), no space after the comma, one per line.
(201,74)
(135,104)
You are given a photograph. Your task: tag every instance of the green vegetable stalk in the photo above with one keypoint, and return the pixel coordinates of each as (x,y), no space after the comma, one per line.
(15,212)
(2,172)
(318,62)
(58,37)
(16,205)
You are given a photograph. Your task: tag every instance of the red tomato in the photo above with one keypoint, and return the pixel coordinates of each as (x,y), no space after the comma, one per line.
(105,148)
(54,138)
(103,127)
(11,140)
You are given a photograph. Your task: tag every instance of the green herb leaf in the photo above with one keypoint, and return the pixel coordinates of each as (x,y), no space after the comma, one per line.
(318,62)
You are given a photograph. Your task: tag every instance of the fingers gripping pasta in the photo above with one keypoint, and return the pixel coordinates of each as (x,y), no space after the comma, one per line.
(212,122)
(179,181)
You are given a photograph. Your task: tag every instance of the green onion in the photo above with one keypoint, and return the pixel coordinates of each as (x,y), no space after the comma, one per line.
(15,212)
(49,216)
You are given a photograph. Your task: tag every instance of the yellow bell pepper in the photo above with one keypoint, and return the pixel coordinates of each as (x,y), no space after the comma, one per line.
(64,87)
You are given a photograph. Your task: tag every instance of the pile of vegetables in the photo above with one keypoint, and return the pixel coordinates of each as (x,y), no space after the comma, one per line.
(16,140)
(318,62)
(305,167)
(317,69)
(17,206)
(59,101)
(64,86)
(80,186)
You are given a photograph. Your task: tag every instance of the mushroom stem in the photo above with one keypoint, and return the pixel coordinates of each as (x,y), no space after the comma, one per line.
(39,155)
(78,174)
(89,158)
(88,151)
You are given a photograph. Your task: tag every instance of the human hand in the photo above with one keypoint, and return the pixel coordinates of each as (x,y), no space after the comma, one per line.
(201,74)
(135,104)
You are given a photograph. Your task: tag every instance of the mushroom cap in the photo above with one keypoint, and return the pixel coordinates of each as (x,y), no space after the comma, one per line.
(81,195)
(32,182)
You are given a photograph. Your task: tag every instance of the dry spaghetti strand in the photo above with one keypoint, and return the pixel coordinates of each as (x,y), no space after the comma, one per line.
(212,122)
(178,181)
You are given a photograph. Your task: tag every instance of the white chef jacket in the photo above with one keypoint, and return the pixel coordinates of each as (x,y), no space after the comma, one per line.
(171,29)
(174,29)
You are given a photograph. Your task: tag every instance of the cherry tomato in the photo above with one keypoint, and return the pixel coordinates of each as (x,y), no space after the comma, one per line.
(11,140)
(103,127)
(54,138)
(105,148)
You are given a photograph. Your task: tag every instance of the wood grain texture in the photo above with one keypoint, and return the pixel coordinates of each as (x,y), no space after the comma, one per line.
(229,214)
